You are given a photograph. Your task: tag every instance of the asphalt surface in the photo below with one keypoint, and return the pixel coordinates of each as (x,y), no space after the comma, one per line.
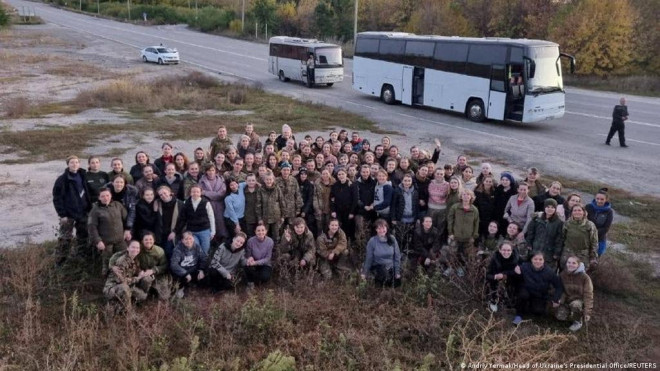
(572,146)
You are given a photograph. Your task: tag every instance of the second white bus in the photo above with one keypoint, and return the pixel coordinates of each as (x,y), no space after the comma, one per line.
(288,56)
(500,79)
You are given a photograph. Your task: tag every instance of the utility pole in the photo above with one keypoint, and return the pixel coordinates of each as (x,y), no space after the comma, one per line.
(129,9)
(98,7)
(355,20)
(243,17)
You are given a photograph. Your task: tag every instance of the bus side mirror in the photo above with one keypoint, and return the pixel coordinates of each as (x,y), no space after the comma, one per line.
(571,60)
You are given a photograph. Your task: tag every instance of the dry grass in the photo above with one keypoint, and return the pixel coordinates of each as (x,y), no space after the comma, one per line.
(59,319)
(195,91)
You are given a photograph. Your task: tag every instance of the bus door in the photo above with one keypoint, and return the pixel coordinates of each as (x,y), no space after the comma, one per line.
(418,86)
(407,85)
(497,97)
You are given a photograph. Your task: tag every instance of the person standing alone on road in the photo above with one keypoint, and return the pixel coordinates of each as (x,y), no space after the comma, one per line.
(619,115)
(310,70)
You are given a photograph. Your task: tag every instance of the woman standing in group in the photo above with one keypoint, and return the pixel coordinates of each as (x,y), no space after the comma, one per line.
(215,190)
(118,168)
(146,217)
(383,258)
(181,162)
(234,213)
(383,195)
(554,192)
(600,212)
(544,233)
(503,192)
(405,212)
(463,227)
(580,237)
(469,181)
(165,159)
(321,203)
(191,178)
(437,206)
(125,194)
(197,218)
(258,255)
(343,203)
(173,180)
(141,160)
(485,202)
(520,208)
(578,300)
(572,200)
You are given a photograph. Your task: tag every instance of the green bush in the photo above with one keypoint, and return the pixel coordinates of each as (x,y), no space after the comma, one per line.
(211,19)
(4,17)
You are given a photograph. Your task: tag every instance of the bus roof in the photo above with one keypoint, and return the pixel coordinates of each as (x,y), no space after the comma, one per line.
(485,40)
(311,43)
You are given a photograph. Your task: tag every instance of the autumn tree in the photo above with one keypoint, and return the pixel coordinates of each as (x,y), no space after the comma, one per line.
(646,42)
(323,19)
(440,17)
(286,14)
(378,15)
(264,13)
(598,32)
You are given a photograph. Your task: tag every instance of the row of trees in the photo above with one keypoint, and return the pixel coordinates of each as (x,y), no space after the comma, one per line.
(620,37)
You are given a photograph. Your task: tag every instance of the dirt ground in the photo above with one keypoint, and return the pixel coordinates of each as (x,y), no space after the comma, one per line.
(45,63)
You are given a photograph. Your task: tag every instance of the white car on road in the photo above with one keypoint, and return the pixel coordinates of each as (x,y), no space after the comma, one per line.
(160,55)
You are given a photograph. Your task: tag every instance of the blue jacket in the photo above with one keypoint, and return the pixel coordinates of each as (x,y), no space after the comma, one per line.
(538,282)
(601,216)
(235,204)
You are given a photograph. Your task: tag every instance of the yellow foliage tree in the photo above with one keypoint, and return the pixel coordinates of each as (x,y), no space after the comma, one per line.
(440,17)
(598,32)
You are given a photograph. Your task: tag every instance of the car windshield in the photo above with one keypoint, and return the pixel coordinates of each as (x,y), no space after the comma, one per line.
(547,76)
(328,56)
(165,50)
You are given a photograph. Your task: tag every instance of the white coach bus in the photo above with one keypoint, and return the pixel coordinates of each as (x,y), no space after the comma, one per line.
(288,60)
(494,78)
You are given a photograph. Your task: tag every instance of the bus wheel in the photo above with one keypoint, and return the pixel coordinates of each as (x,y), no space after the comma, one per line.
(475,110)
(281,76)
(387,94)
(329,84)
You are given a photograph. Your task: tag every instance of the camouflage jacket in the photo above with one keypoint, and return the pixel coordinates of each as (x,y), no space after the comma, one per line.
(270,203)
(291,194)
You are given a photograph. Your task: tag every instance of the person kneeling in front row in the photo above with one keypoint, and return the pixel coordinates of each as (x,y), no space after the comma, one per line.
(383,258)
(578,300)
(188,262)
(123,277)
(226,263)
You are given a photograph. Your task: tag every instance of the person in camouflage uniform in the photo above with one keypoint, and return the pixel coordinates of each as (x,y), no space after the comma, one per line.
(220,143)
(333,252)
(297,249)
(124,275)
(270,204)
(321,202)
(105,225)
(153,264)
(290,192)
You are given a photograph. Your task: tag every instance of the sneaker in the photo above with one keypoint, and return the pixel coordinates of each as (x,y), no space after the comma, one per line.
(492,306)
(575,326)
(179,293)
(607,143)
(460,272)
(517,320)
(624,146)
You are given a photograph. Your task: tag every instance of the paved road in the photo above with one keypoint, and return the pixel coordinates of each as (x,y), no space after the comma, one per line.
(571,146)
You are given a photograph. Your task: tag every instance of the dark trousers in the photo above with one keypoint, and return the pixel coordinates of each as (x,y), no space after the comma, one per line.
(231,227)
(258,274)
(622,135)
(384,277)
(218,282)
(182,279)
(527,303)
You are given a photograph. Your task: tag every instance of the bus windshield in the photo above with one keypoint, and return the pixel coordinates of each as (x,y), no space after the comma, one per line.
(328,57)
(547,75)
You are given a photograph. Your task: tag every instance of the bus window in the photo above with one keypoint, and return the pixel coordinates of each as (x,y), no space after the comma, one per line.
(450,57)
(481,57)
(329,56)
(392,50)
(366,47)
(420,53)
(497,78)
(516,56)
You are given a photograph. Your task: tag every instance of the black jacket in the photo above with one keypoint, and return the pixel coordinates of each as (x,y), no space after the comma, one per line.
(485,203)
(136,172)
(426,244)
(366,190)
(129,198)
(399,203)
(538,282)
(343,198)
(307,194)
(539,200)
(146,219)
(194,220)
(69,201)
(498,264)
(501,198)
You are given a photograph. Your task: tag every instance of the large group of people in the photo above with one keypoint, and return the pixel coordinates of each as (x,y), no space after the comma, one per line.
(238,213)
